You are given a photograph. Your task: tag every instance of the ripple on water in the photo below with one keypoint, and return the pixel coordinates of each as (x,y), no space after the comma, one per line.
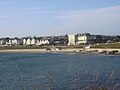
(59,70)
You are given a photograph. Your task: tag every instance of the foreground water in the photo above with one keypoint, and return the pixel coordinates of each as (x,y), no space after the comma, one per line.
(43,71)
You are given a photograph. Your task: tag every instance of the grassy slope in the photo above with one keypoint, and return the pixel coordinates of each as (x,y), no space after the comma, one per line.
(110,45)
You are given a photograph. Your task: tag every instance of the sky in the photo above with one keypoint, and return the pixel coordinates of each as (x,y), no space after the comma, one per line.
(19,18)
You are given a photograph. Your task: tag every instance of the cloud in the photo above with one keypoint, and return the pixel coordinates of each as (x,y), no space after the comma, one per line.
(102,20)
(82,12)
(40,10)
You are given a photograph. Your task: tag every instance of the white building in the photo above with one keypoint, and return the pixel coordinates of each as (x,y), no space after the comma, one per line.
(44,42)
(71,40)
(37,42)
(84,39)
(24,41)
(14,41)
(28,41)
(8,42)
(2,41)
(78,39)
(33,41)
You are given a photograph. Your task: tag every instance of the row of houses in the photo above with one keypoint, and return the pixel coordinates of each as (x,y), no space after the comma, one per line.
(77,39)
(23,41)
(33,41)
(46,40)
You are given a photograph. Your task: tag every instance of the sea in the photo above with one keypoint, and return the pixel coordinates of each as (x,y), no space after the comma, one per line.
(59,71)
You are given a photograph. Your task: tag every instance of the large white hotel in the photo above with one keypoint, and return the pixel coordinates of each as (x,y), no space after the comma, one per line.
(78,39)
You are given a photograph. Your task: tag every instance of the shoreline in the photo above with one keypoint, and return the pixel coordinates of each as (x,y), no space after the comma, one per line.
(86,51)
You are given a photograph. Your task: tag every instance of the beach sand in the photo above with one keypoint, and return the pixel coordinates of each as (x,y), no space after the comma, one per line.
(39,50)
(72,50)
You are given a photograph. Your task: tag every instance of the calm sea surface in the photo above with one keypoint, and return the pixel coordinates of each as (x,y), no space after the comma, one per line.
(57,71)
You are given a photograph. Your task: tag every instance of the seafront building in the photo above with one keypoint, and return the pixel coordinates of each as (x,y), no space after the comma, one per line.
(14,41)
(2,41)
(24,41)
(71,40)
(28,42)
(85,38)
(78,39)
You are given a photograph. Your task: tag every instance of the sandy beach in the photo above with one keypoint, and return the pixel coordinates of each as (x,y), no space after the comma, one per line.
(40,50)
(23,50)
(72,50)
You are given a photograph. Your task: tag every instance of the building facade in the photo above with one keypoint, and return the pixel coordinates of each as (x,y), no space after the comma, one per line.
(78,39)
(83,39)
(71,40)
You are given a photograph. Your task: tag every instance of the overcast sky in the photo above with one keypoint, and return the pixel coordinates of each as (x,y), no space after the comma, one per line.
(59,17)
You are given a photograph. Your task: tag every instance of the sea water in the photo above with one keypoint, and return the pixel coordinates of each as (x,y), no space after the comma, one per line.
(58,71)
